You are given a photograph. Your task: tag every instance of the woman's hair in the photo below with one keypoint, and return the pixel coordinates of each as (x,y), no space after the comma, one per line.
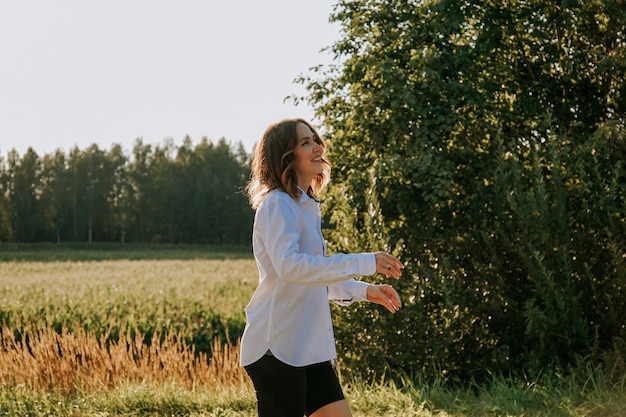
(273,161)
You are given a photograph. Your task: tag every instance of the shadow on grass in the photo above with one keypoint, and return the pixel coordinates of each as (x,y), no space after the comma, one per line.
(54,252)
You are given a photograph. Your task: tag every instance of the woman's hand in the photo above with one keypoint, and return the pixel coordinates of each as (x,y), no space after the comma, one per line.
(384,295)
(388,265)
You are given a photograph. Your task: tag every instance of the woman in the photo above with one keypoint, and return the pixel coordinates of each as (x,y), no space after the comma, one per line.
(288,347)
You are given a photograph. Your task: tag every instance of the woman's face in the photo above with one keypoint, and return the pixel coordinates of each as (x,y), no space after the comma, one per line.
(308,154)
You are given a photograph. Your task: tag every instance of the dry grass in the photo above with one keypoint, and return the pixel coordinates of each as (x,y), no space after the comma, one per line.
(44,360)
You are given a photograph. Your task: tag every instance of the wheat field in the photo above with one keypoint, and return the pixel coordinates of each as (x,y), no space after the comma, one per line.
(108,334)
(76,325)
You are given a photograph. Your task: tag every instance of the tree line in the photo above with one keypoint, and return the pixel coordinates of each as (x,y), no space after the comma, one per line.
(158,194)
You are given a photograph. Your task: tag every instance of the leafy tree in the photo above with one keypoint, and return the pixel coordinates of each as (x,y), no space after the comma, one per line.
(25,196)
(55,196)
(120,193)
(6,227)
(87,196)
(182,191)
(465,138)
(147,172)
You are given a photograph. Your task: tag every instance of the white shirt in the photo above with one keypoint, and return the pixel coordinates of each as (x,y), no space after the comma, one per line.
(289,313)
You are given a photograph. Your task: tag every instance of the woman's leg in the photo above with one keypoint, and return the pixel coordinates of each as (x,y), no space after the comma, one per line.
(324,396)
(337,409)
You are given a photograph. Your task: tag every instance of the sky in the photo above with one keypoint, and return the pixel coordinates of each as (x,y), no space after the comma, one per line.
(79,72)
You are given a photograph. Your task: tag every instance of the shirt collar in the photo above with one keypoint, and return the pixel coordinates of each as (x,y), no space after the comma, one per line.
(304,197)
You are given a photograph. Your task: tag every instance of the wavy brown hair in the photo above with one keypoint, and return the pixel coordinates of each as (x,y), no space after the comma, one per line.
(273,161)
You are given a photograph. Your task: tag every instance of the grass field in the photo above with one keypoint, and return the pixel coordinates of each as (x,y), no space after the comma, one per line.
(128,330)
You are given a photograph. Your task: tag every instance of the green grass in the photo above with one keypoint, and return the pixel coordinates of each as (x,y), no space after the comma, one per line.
(552,397)
(51,252)
(129,400)
(203,291)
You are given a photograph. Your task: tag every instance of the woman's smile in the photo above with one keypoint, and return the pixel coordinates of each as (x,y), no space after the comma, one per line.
(308,152)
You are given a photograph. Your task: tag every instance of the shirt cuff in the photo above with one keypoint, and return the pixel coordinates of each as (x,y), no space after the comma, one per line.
(367,263)
(360,290)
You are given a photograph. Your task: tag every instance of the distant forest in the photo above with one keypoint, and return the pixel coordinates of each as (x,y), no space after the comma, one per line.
(158,194)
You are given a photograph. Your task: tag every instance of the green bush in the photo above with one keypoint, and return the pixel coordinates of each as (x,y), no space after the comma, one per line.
(484,145)
(526,273)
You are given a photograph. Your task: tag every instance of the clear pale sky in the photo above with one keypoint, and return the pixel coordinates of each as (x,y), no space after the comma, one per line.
(77,72)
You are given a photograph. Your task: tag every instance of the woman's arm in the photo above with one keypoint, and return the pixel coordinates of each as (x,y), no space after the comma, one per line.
(351,291)
(278,227)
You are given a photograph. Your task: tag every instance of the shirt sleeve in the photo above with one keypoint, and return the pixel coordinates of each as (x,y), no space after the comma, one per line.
(279,228)
(348,292)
